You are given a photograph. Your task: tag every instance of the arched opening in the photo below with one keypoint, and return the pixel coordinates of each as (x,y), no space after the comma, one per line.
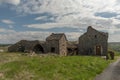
(38,49)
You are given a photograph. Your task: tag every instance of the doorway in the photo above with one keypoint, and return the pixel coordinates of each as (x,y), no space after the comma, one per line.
(53,49)
(98,50)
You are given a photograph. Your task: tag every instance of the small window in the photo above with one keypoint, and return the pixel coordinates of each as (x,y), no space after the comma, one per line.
(52,49)
(21,48)
(95,36)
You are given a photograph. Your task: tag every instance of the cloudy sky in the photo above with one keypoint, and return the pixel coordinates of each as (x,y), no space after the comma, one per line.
(36,19)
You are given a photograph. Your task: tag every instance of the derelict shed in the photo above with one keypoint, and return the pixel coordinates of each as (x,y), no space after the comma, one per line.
(72,48)
(27,46)
(93,42)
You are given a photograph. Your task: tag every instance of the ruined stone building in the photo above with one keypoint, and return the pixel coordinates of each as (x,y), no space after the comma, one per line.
(93,42)
(55,43)
(27,46)
(72,48)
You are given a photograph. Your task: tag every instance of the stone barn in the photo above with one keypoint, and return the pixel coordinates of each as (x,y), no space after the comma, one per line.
(93,42)
(27,46)
(57,43)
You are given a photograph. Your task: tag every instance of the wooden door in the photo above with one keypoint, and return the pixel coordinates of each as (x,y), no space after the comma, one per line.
(98,50)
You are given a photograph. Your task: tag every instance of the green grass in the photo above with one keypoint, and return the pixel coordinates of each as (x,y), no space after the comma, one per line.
(14,66)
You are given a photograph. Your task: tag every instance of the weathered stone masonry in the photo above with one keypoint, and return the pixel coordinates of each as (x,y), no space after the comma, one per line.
(55,43)
(92,42)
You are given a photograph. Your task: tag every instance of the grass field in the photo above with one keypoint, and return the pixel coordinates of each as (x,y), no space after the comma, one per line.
(14,66)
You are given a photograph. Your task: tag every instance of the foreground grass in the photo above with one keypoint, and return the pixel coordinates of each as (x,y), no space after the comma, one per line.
(14,66)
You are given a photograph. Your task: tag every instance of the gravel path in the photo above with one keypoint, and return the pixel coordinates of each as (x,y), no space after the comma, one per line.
(110,73)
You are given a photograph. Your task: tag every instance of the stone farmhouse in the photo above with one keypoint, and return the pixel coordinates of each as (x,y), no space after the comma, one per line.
(92,42)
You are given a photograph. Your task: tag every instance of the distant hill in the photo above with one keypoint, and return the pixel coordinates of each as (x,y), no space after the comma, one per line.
(114,46)
(4,45)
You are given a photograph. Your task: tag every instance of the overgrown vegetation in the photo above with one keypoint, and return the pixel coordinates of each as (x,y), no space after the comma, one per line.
(19,66)
(14,66)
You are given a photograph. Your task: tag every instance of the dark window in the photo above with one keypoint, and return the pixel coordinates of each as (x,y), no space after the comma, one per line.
(21,48)
(52,49)
(95,36)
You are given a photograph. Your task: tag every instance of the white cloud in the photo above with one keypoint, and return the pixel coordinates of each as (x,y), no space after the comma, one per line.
(41,18)
(11,36)
(7,21)
(70,13)
(2,30)
(50,25)
(73,36)
(13,2)
(60,7)
(6,30)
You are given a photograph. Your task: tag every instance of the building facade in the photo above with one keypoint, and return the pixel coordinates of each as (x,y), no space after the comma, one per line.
(56,43)
(93,42)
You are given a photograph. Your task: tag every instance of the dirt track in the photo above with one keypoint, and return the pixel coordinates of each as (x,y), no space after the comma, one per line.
(110,73)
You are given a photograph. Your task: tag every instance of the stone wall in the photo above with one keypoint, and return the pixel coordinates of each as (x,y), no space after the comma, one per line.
(63,46)
(93,42)
(27,46)
(52,46)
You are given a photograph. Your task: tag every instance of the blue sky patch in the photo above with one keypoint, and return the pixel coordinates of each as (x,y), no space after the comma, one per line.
(106,14)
